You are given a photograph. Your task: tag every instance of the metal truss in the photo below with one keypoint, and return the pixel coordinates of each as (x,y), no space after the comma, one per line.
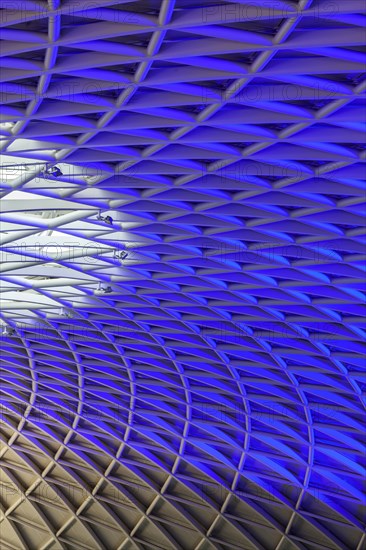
(182,303)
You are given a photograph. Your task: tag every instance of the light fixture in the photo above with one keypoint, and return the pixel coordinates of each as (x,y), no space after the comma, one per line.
(54,171)
(106,219)
(66,313)
(120,255)
(7,331)
(103,289)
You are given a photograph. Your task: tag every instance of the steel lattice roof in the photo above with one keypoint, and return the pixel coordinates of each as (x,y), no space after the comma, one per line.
(207,390)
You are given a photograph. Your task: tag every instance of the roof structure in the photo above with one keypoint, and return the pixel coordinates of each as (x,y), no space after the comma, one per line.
(182,305)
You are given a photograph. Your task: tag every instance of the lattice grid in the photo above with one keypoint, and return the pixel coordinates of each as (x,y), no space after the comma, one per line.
(189,373)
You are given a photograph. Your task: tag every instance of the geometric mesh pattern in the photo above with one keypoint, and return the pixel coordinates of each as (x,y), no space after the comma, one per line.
(182,308)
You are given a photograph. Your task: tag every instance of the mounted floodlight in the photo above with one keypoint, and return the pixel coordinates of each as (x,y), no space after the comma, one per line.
(106,219)
(103,290)
(8,331)
(66,313)
(52,171)
(120,255)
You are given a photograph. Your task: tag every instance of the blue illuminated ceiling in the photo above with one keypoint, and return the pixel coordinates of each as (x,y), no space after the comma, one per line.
(206,390)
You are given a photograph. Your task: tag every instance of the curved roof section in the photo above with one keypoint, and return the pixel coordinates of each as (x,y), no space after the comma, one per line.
(182,306)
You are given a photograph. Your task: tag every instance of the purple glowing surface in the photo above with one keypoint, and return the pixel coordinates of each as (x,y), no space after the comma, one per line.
(183,302)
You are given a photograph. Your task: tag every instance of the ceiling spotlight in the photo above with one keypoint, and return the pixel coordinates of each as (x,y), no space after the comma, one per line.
(103,289)
(66,313)
(106,219)
(120,255)
(52,171)
(8,331)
